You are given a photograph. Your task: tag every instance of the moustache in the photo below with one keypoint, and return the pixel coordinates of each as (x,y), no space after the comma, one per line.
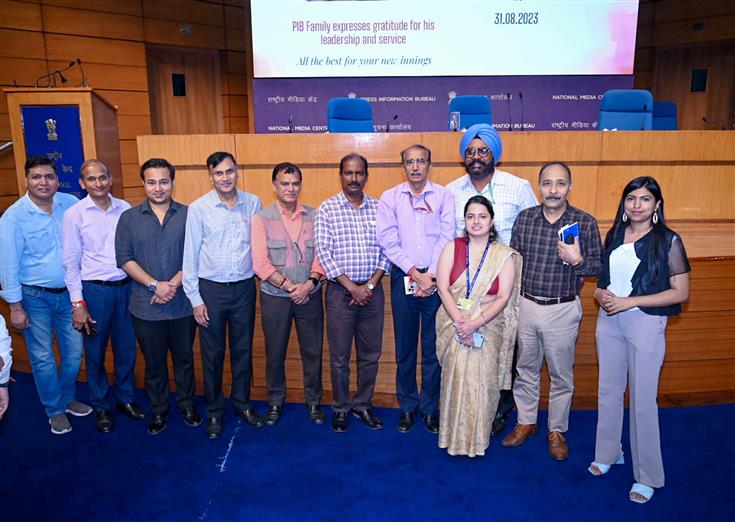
(555,198)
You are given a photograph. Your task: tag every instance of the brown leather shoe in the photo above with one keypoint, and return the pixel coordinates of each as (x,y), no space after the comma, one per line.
(519,435)
(558,448)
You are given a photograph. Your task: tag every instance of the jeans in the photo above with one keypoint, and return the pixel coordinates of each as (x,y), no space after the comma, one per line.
(108,306)
(49,313)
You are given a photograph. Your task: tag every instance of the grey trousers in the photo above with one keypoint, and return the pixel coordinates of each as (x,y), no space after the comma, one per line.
(365,325)
(546,332)
(630,347)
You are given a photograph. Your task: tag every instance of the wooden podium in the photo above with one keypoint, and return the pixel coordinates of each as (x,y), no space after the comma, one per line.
(98,126)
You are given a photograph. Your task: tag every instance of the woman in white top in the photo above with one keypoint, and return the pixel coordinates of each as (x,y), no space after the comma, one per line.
(644,279)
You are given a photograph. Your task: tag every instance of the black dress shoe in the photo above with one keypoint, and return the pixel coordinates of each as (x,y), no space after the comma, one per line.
(103,421)
(191,417)
(405,421)
(158,423)
(273,415)
(339,422)
(498,424)
(432,423)
(316,413)
(250,416)
(214,427)
(132,410)
(369,418)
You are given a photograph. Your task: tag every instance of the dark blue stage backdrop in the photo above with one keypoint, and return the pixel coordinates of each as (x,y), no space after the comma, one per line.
(422,103)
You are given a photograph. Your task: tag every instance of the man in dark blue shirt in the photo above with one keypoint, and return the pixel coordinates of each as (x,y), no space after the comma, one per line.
(149,247)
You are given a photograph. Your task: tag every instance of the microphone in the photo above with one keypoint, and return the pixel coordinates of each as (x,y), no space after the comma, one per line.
(520,97)
(84,77)
(643,120)
(387,123)
(510,113)
(290,123)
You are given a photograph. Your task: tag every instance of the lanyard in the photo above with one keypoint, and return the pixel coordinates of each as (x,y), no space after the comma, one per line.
(471,285)
(427,207)
(489,193)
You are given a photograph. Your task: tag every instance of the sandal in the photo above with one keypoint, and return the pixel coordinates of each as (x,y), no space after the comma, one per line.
(604,468)
(640,489)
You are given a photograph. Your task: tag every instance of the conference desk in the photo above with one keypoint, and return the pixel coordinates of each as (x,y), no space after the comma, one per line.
(696,170)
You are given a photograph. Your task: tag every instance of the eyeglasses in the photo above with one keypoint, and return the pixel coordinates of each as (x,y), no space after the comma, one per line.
(484,152)
(219,173)
(415,161)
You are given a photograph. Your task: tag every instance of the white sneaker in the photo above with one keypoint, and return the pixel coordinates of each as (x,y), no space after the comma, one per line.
(59,424)
(78,409)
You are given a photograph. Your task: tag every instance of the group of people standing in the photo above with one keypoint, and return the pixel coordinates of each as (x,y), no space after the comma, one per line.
(479,279)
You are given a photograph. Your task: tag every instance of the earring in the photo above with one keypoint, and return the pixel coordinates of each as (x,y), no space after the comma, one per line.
(625,217)
(655,217)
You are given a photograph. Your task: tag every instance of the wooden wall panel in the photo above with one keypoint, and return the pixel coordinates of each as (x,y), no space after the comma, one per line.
(94,50)
(127,7)
(20,15)
(21,44)
(190,11)
(167,32)
(91,23)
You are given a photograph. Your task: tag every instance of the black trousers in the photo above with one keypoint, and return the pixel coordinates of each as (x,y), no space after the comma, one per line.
(156,339)
(364,324)
(277,315)
(506,403)
(231,308)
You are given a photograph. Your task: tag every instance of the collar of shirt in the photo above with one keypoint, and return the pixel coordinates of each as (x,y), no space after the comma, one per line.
(345,202)
(145,207)
(217,201)
(297,213)
(538,213)
(33,208)
(88,203)
(499,178)
(405,188)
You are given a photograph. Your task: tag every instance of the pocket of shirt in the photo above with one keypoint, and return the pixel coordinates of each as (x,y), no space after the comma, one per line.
(277,252)
(39,242)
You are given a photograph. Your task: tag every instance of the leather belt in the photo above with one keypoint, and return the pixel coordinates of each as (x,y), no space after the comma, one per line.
(225,283)
(49,290)
(120,282)
(543,301)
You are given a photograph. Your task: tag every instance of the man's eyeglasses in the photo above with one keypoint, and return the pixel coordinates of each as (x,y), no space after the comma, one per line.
(415,161)
(484,152)
(219,173)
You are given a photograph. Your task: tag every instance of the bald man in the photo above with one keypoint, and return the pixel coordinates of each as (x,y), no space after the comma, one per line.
(482,148)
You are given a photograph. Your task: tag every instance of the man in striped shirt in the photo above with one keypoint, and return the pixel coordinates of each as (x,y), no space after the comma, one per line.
(348,249)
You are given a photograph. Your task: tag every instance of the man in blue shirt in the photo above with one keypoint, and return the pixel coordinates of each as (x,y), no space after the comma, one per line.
(218,280)
(32,279)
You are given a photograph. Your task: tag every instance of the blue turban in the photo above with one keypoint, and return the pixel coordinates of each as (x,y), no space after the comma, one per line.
(487,134)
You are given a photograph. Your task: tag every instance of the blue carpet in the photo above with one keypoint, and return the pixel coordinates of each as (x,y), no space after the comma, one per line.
(297,471)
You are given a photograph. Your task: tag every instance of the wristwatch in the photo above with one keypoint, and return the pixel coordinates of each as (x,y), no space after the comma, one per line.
(370,286)
(314,280)
(152,287)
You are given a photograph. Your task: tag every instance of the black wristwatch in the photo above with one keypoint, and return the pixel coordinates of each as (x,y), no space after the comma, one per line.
(314,280)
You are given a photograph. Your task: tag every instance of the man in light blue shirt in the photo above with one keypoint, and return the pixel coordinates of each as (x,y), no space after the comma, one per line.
(218,280)
(32,280)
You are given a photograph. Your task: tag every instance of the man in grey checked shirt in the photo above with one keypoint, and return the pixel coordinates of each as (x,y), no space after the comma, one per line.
(481,148)
(218,280)
(347,246)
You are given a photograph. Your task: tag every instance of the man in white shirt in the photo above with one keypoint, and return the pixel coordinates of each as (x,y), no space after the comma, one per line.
(6,361)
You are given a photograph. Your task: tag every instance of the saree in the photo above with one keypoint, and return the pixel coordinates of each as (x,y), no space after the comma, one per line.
(473,377)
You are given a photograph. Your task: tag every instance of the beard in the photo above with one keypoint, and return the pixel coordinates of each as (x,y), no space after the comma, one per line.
(487,170)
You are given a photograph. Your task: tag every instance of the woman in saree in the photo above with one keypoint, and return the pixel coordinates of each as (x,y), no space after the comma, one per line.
(478,280)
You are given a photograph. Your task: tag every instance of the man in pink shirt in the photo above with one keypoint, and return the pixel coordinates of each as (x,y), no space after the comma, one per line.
(414,221)
(282,243)
(100,293)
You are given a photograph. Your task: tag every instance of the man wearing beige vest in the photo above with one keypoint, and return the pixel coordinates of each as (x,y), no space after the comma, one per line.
(284,259)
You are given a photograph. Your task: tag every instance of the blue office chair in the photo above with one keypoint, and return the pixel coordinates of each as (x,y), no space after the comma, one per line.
(626,109)
(349,115)
(472,109)
(664,116)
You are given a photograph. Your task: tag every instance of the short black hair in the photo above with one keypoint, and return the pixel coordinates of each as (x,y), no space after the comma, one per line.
(555,164)
(353,156)
(287,168)
(218,157)
(157,163)
(37,161)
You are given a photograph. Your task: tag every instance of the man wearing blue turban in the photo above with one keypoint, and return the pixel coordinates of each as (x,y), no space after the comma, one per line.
(482,148)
